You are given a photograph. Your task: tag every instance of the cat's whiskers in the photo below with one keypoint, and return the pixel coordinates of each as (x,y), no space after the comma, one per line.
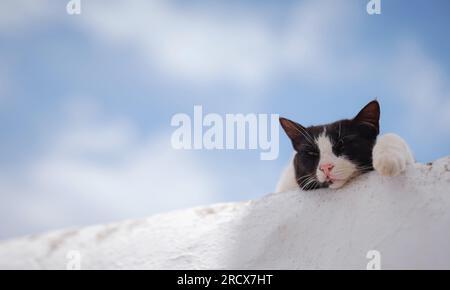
(308,180)
(308,183)
(306,177)
(364,168)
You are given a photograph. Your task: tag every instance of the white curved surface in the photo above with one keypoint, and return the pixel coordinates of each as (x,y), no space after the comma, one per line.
(405,218)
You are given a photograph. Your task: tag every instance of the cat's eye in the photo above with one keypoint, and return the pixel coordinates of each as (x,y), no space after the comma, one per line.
(312,153)
(339,144)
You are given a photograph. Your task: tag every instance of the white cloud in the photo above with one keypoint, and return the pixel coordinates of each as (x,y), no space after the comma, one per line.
(98,171)
(203,44)
(423,86)
(206,44)
(194,44)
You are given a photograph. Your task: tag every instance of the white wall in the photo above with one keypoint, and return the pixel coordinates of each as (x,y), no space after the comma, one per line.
(406,219)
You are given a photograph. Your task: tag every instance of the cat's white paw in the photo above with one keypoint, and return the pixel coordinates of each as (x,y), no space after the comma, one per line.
(389,164)
(391,155)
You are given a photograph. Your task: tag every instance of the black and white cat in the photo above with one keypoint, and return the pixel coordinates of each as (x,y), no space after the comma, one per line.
(332,154)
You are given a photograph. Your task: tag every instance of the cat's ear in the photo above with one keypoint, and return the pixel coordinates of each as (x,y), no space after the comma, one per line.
(295,131)
(369,115)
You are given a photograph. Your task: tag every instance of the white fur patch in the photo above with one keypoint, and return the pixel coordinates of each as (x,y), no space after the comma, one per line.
(287,180)
(343,169)
(391,155)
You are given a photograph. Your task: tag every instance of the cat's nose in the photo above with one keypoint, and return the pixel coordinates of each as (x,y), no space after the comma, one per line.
(326,168)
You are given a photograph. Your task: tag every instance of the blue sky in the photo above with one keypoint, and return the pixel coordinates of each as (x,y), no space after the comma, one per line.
(86,100)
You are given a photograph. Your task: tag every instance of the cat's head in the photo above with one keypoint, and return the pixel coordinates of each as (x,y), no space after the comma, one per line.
(330,155)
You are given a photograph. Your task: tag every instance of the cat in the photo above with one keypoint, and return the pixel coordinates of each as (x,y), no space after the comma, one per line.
(331,155)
